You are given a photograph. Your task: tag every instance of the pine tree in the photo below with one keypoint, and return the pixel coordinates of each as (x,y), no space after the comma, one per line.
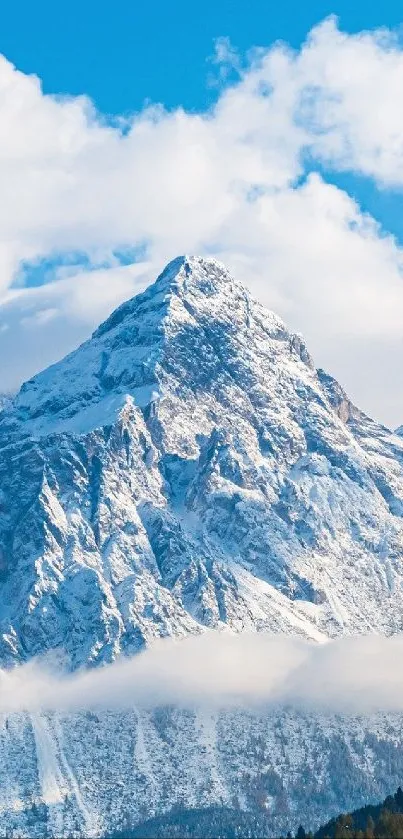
(399,800)
(370,828)
(344,827)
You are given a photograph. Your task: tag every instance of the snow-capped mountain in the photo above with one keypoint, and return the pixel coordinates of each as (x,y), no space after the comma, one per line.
(187,468)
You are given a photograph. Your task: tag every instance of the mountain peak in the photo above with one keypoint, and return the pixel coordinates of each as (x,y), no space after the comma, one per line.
(205,273)
(203,280)
(185,276)
(187,264)
(195,330)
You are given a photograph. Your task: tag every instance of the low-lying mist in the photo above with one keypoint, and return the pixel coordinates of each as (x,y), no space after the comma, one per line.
(359,675)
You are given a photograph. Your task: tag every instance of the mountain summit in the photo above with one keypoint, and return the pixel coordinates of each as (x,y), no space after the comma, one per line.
(187,467)
(129,354)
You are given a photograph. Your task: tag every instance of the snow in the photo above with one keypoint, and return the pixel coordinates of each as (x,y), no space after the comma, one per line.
(188,469)
(141,756)
(48,766)
(206,722)
(91,820)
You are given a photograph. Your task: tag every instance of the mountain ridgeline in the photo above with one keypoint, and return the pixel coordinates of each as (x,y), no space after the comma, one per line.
(187,469)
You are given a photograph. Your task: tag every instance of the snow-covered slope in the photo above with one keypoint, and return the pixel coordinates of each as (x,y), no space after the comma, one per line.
(187,467)
(84,774)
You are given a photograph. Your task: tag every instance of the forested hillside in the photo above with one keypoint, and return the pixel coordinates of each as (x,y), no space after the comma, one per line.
(383,821)
(371,822)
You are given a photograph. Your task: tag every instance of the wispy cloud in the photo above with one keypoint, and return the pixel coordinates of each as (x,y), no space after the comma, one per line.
(359,675)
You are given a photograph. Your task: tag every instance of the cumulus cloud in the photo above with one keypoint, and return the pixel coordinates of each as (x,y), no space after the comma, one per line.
(251,671)
(237,182)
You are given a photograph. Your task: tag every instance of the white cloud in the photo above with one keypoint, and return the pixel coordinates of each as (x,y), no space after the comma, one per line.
(233,182)
(351,94)
(352,675)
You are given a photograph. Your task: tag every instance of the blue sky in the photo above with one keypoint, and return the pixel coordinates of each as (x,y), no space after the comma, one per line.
(124,54)
(288,168)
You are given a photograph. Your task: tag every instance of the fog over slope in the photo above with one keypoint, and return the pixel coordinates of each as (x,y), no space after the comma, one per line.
(220,671)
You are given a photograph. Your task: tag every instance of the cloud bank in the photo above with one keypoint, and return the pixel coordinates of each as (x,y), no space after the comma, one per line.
(241,182)
(362,675)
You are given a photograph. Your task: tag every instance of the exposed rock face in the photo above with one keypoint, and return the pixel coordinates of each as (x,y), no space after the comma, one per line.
(188,468)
